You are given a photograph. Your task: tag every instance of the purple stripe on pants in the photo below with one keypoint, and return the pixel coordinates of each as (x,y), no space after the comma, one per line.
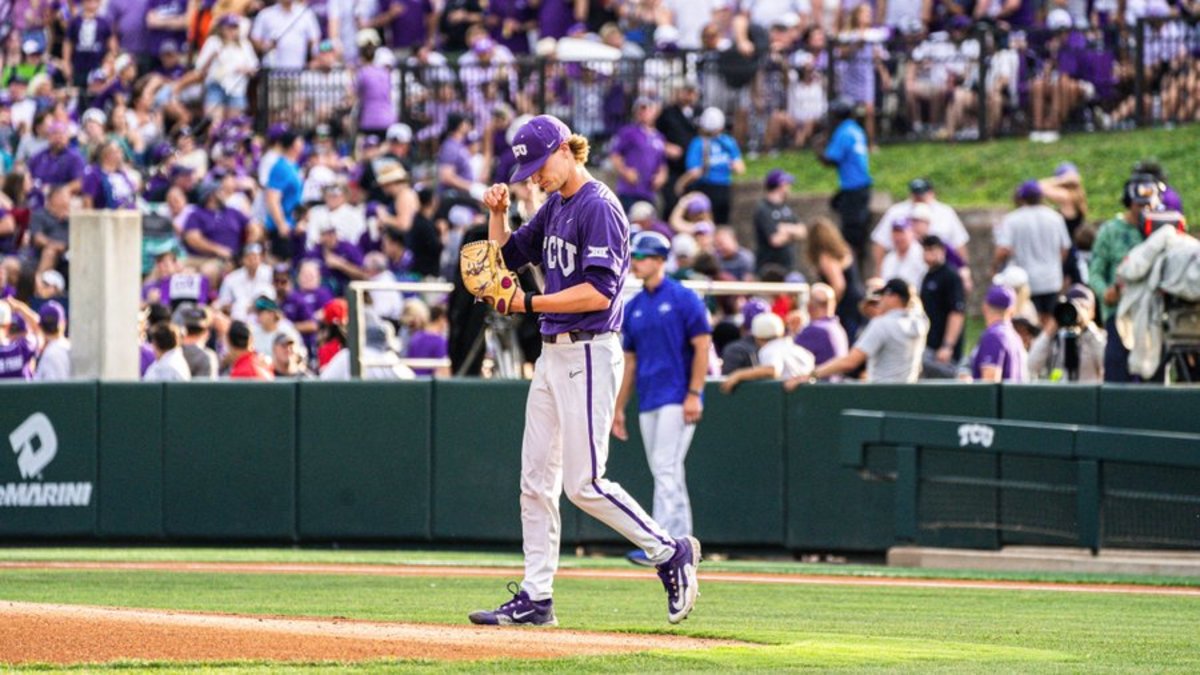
(587,350)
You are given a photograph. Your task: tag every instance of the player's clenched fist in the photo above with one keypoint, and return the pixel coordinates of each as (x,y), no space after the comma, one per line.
(496,199)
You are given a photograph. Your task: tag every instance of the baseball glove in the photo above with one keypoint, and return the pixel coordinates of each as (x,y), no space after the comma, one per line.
(485,276)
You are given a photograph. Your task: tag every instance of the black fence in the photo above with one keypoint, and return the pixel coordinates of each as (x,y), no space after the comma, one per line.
(977,82)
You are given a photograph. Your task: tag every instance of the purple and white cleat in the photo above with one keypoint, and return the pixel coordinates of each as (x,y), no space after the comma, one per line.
(679,578)
(520,611)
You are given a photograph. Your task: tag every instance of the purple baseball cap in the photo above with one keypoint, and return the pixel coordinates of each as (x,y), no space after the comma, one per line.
(1064,169)
(704,227)
(228,21)
(752,308)
(52,316)
(778,177)
(1000,297)
(1029,190)
(698,204)
(534,143)
(276,131)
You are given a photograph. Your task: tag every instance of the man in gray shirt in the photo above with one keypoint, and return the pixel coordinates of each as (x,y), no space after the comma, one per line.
(891,345)
(1034,237)
(201,361)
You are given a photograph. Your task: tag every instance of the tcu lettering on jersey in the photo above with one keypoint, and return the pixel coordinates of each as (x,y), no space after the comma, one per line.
(559,255)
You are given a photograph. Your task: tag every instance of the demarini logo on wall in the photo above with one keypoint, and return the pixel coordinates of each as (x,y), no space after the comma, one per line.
(35,445)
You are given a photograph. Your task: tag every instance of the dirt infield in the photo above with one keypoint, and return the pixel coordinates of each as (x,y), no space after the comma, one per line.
(65,634)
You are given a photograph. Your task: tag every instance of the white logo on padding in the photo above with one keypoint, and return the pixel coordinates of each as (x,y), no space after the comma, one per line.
(597,252)
(35,444)
(520,151)
(975,434)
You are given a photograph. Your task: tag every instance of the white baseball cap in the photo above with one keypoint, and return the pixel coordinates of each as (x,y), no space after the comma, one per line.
(767,326)
(400,133)
(684,246)
(642,211)
(712,120)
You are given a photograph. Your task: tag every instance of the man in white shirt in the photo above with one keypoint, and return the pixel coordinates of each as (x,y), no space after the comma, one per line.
(285,34)
(348,220)
(54,363)
(1034,237)
(270,324)
(906,260)
(169,364)
(943,221)
(779,357)
(243,285)
(384,304)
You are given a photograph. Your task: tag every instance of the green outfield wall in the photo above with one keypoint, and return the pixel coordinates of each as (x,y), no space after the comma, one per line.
(439,462)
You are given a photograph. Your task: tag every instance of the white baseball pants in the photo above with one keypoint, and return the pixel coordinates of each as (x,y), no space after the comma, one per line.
(568,419)
(667,439)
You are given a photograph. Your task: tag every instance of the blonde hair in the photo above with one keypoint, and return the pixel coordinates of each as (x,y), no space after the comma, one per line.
(579,148)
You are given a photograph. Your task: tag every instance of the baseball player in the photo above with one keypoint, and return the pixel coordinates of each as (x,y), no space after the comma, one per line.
(667,337)
(580,237)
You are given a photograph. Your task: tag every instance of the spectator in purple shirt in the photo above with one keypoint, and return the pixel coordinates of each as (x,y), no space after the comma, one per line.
(555,17)
(107,184)
(341,261)
(824,335)
(639,156)
(428,341)
(214,229)
(166,20)
(58,164)
(128,19)
(409,24)
(303,306)
(1000,355)
(89,37)
(373,87)
(456,179)
(509,23)
(17,353)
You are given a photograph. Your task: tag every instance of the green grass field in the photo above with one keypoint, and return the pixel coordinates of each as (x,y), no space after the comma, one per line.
(985,174)
(823,627)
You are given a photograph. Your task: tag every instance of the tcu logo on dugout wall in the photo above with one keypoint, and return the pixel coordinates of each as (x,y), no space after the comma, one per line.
(519,151)
(559,255)
(975,434)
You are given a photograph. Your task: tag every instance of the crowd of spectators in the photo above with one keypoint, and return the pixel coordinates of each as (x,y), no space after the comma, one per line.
(252,232)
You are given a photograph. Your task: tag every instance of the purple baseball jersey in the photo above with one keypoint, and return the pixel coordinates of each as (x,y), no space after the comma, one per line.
(181,287)
(16,359)
(109,190)
(643,150)
(569,236)
(168,8)
(90,37)
(1000,346)
(49,169)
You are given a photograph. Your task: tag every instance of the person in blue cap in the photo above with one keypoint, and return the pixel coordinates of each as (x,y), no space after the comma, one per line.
(580,237)
(666,338)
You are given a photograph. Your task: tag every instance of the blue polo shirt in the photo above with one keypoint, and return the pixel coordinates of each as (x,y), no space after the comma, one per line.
(848,149)
(659,327)
(718,154)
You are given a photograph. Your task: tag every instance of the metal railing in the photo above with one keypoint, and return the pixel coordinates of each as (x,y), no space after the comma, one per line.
(977,83)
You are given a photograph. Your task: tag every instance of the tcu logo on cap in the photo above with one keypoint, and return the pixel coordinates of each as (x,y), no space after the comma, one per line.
(519,151)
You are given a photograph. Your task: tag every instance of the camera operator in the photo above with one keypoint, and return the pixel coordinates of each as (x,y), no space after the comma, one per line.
(1114,240)
(1072,347)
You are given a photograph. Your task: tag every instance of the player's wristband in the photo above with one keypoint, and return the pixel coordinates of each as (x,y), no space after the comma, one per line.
(695,392)
(529,302)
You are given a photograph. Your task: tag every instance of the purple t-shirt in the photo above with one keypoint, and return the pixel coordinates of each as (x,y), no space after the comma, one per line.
(409,27)
(182,287)
(301,305)
(825,338)
(225,226)
(518,10)
(375,94)
(168,8)
(147,358)
(128,18)
(109,190)
(50,169)
(455,153)
(344,249)
(555,17)
(426,345)
(569,236)
(16,359)
(645,151)
(1000,346)
(90,37)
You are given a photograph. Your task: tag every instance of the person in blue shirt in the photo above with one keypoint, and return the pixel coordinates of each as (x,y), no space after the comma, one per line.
(667,337)
(711,161)
(847,150)
(284,188)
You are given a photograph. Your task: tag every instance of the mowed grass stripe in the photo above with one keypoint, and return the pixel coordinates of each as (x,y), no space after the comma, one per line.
(831,627)
(513,560)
